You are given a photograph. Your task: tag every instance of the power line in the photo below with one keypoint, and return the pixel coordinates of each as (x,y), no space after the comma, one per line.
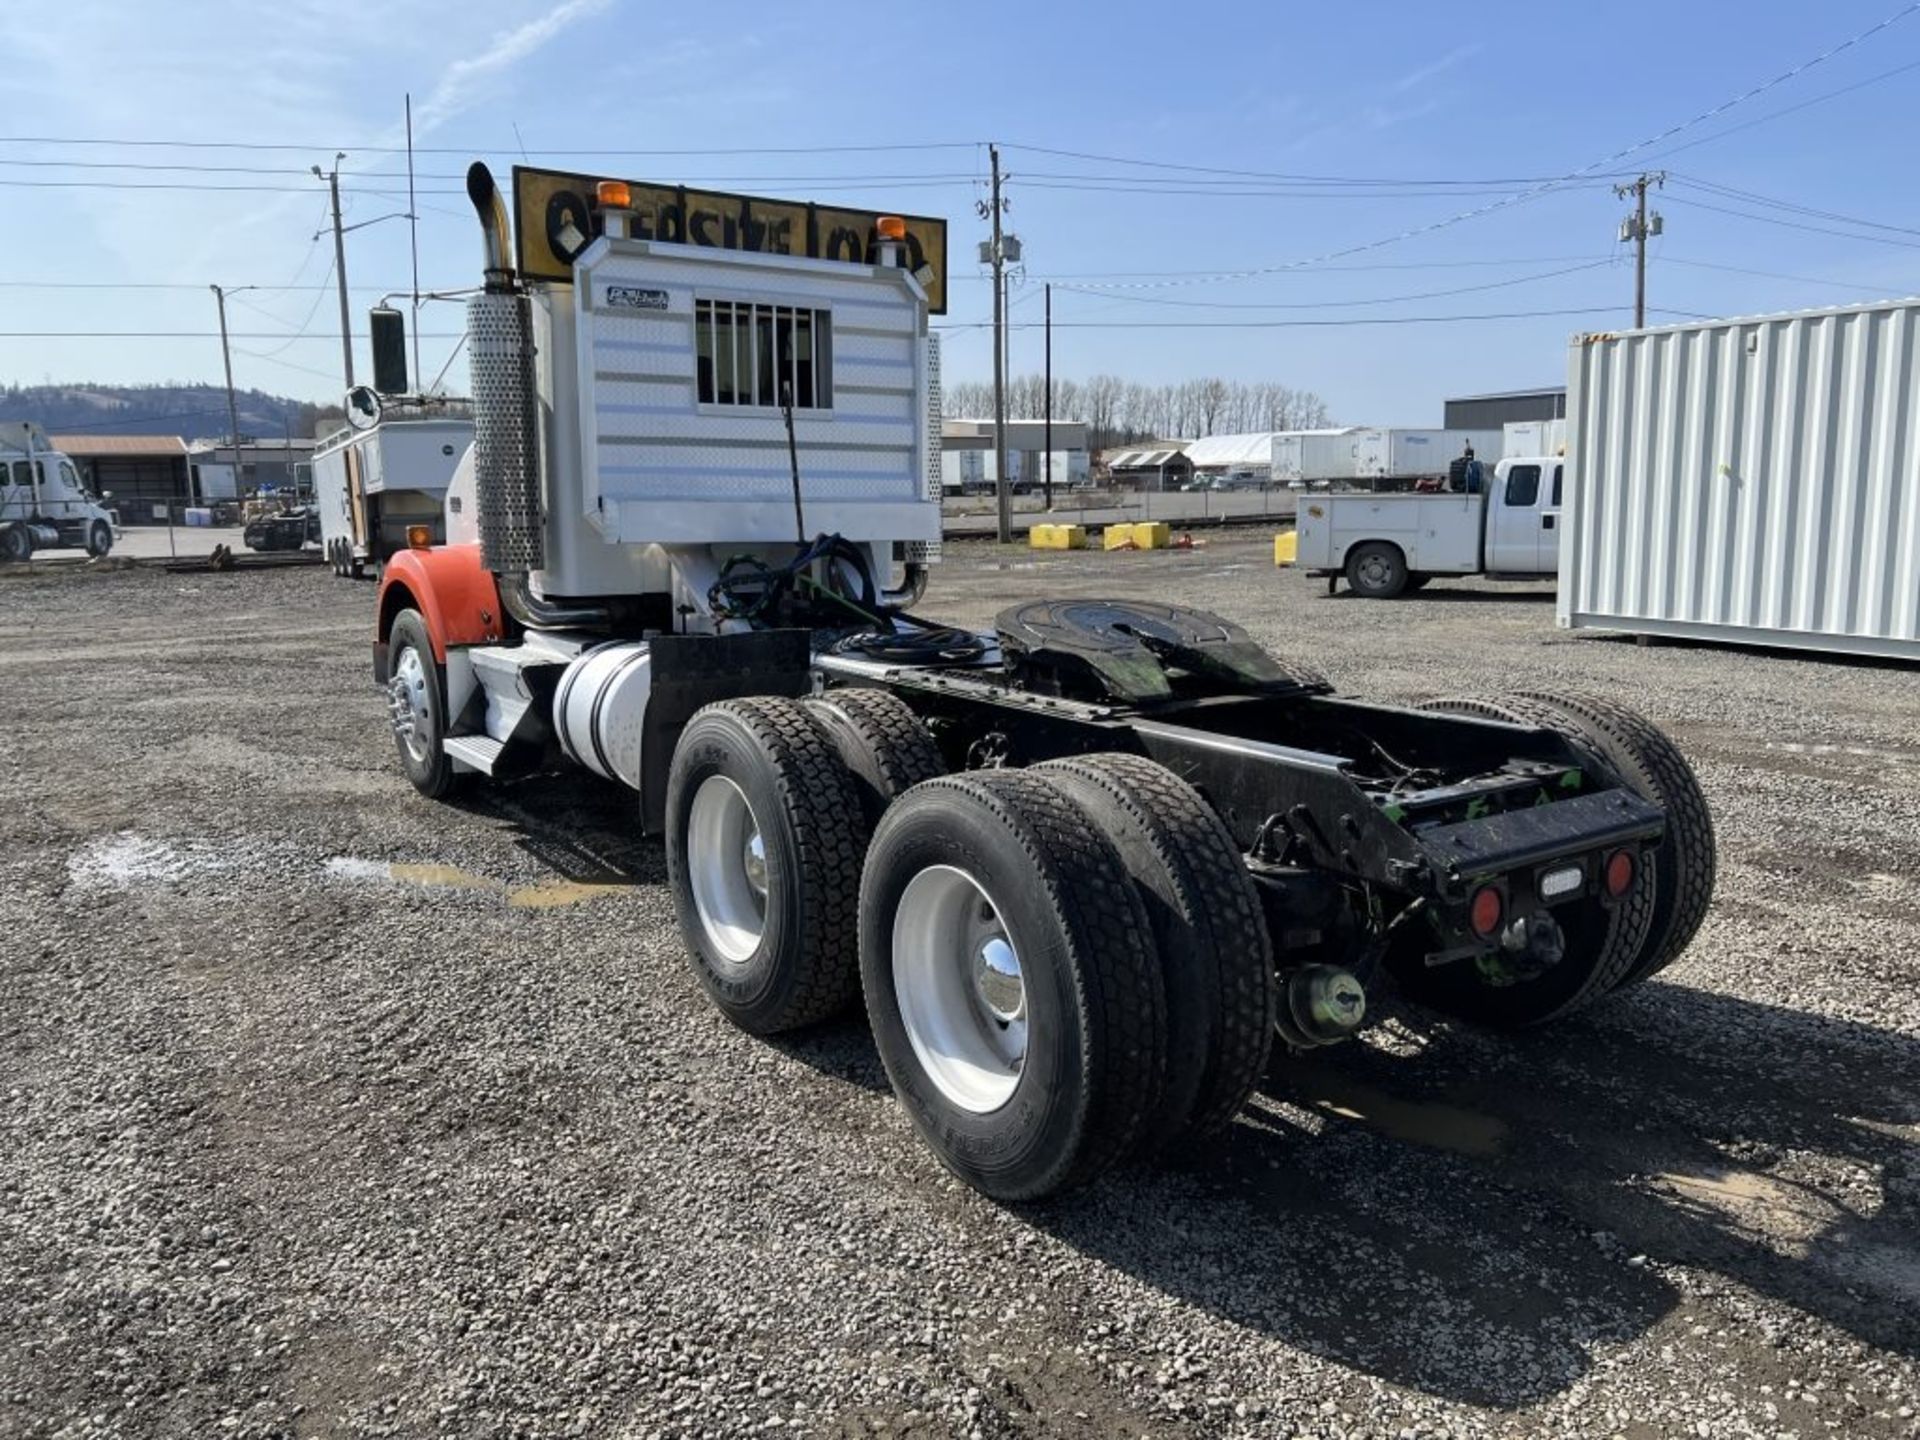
(1274,174)
(1664,259)
(1794,224)
(1585,172)
(191,335)
(351,149)
(1335,304)
(1790,109)
(1753,198)
(1322,323)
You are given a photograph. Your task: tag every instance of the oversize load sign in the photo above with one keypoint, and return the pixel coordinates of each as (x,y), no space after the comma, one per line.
(555,218)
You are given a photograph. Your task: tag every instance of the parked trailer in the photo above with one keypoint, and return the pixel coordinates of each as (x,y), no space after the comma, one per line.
(1403,454)
(1304,455)
(1755,481)
(371,486)
(1084,869)
(1535,437)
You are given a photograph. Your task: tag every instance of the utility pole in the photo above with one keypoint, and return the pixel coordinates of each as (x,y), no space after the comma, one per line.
(226,357)
(413,239)
(1046,457)
(1003,485)
(332,177)
(1637,227)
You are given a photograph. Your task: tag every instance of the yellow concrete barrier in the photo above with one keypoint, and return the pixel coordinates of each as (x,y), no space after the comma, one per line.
(1057,537)
(1286,547)
(1152,535)
(1117,537)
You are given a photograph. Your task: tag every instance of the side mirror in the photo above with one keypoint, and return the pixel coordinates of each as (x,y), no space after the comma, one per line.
(389,331)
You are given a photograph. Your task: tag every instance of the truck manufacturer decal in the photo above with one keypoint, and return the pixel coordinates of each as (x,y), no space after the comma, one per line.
(633,297)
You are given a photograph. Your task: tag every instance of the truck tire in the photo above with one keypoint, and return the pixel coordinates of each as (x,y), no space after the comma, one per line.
(883,744)
(417,707)
(764,841)
(1377,570)
(1216,959)
(1602,941)
(15,543)
(99,538)
(1011,982)
(1686,862)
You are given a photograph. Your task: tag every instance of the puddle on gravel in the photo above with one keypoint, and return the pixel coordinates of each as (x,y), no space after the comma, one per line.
(547,895)
(1786,1213)
(1445,1127)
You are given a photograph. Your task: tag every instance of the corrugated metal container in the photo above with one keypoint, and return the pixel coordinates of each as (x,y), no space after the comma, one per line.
(1754,481)
(1535,437)
(1314,454)
(1382,454)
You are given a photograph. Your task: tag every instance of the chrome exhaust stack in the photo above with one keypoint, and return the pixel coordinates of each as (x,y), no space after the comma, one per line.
(506,426)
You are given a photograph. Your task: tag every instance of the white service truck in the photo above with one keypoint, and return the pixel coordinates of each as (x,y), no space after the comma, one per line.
(370,486)
(44,505)
(1387,545)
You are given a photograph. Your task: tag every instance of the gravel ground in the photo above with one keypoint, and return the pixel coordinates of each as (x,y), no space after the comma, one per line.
(331,1111)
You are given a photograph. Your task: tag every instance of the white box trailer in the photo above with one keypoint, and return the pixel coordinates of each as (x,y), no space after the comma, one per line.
(1755,481)
(1305,455)
(370,485)
(1535,437)
(1408,454)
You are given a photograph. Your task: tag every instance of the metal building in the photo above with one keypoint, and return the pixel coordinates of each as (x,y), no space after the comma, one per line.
(1492,412)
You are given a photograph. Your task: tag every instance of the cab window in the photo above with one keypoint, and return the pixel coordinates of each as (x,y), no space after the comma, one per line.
(68,478)
(1558,471)
(1523,485)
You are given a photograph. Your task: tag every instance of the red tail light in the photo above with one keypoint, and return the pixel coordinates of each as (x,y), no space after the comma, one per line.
(1487,909)
(1620,873)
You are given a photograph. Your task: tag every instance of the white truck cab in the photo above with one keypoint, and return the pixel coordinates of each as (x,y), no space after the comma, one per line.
(1386,545)
(44,505)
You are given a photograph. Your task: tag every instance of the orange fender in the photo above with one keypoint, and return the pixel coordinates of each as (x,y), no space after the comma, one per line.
(454,594)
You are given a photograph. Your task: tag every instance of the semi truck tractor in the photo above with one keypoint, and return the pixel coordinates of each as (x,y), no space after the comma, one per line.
(1083,869)
(44,505)
(1389,545)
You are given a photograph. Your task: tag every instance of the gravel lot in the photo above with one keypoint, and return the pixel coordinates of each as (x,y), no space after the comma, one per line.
(331,1111)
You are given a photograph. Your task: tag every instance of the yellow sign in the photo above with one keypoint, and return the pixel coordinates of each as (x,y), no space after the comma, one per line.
(555,219)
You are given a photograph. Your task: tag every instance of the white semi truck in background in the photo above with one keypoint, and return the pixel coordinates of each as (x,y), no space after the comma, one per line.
(1388,545)
(44,505)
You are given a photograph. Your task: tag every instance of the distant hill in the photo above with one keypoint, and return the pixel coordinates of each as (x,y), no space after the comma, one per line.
(197,412)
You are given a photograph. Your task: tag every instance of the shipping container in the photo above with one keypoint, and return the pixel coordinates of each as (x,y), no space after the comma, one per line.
(1407,454)
(1535,437)
(1754,481)
(1314,454)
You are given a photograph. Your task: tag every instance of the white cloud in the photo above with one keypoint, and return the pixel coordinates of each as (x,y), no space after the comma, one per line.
(1434,69)
(461,82)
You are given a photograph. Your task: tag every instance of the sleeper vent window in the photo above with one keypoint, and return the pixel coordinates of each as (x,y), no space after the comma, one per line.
(747,353)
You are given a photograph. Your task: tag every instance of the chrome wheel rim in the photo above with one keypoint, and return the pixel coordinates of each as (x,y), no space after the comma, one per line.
(960,987)
(408,706)
(727,865)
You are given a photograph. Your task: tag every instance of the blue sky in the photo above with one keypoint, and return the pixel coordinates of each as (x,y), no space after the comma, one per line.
(1462,107)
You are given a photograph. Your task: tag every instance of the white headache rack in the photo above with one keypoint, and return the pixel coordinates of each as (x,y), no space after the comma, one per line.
(685,358)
